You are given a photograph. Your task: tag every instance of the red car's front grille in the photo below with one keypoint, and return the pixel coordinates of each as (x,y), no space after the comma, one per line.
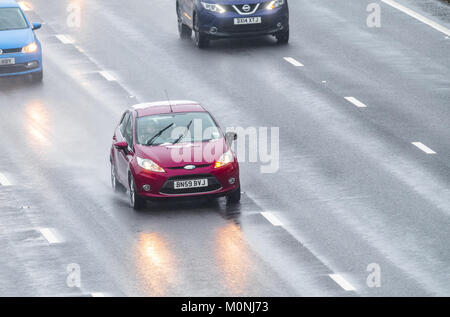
(182,167)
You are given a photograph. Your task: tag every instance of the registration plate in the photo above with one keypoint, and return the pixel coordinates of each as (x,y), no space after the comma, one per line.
(195,183)
(7,61)
(252,20)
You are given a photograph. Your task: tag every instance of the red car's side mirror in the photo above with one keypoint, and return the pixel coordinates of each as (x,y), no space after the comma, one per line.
(230,137)
(121,145)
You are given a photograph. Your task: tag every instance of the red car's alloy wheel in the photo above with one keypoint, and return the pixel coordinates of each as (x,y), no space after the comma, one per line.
(115,184)
(136,201)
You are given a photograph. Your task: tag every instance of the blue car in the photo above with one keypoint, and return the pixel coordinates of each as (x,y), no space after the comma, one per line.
(216,19)
(20,49)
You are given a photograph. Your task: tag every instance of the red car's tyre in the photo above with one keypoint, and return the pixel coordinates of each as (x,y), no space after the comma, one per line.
(136,201)
(234,197)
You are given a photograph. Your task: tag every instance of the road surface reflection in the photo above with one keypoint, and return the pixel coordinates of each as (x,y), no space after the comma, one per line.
(233,258)
(156,264)
(36,124)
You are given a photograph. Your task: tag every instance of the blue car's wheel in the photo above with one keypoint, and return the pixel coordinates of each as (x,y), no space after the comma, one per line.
(37,77)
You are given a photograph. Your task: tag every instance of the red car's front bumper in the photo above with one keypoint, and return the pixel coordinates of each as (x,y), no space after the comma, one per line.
(162,183)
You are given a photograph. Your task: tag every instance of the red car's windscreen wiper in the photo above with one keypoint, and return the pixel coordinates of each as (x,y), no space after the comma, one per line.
(182,136)
(150,142)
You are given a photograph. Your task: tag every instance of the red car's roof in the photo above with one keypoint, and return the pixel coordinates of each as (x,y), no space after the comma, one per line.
(163,107)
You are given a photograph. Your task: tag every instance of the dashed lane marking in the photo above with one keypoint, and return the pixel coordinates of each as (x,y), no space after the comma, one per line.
(107,76)
(356,102)
(272,219)
(4,181)
(65,39)
(293,61)
(50,235)
(340,280)
(423,147)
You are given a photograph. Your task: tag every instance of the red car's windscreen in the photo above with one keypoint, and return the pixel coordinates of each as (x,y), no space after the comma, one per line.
(175,128)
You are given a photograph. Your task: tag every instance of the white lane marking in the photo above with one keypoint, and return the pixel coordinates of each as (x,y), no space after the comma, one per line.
(107,76)
(25,6)
(418,16)
(4,181)
(356,102)
(65,39)
(272,219)
(424,148)
(97,294)
(50,235)
(342,282)
(293,61)
(79,49)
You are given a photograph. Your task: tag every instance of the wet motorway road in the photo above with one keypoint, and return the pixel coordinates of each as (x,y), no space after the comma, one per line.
(354,186)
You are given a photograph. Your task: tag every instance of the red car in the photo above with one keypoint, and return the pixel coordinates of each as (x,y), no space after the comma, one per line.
(173,149)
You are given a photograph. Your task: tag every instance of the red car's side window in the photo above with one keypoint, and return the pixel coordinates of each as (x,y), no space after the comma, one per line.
(123,123)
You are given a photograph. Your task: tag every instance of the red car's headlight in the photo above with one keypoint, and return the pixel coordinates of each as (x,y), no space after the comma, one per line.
(149,165)
(225,159)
